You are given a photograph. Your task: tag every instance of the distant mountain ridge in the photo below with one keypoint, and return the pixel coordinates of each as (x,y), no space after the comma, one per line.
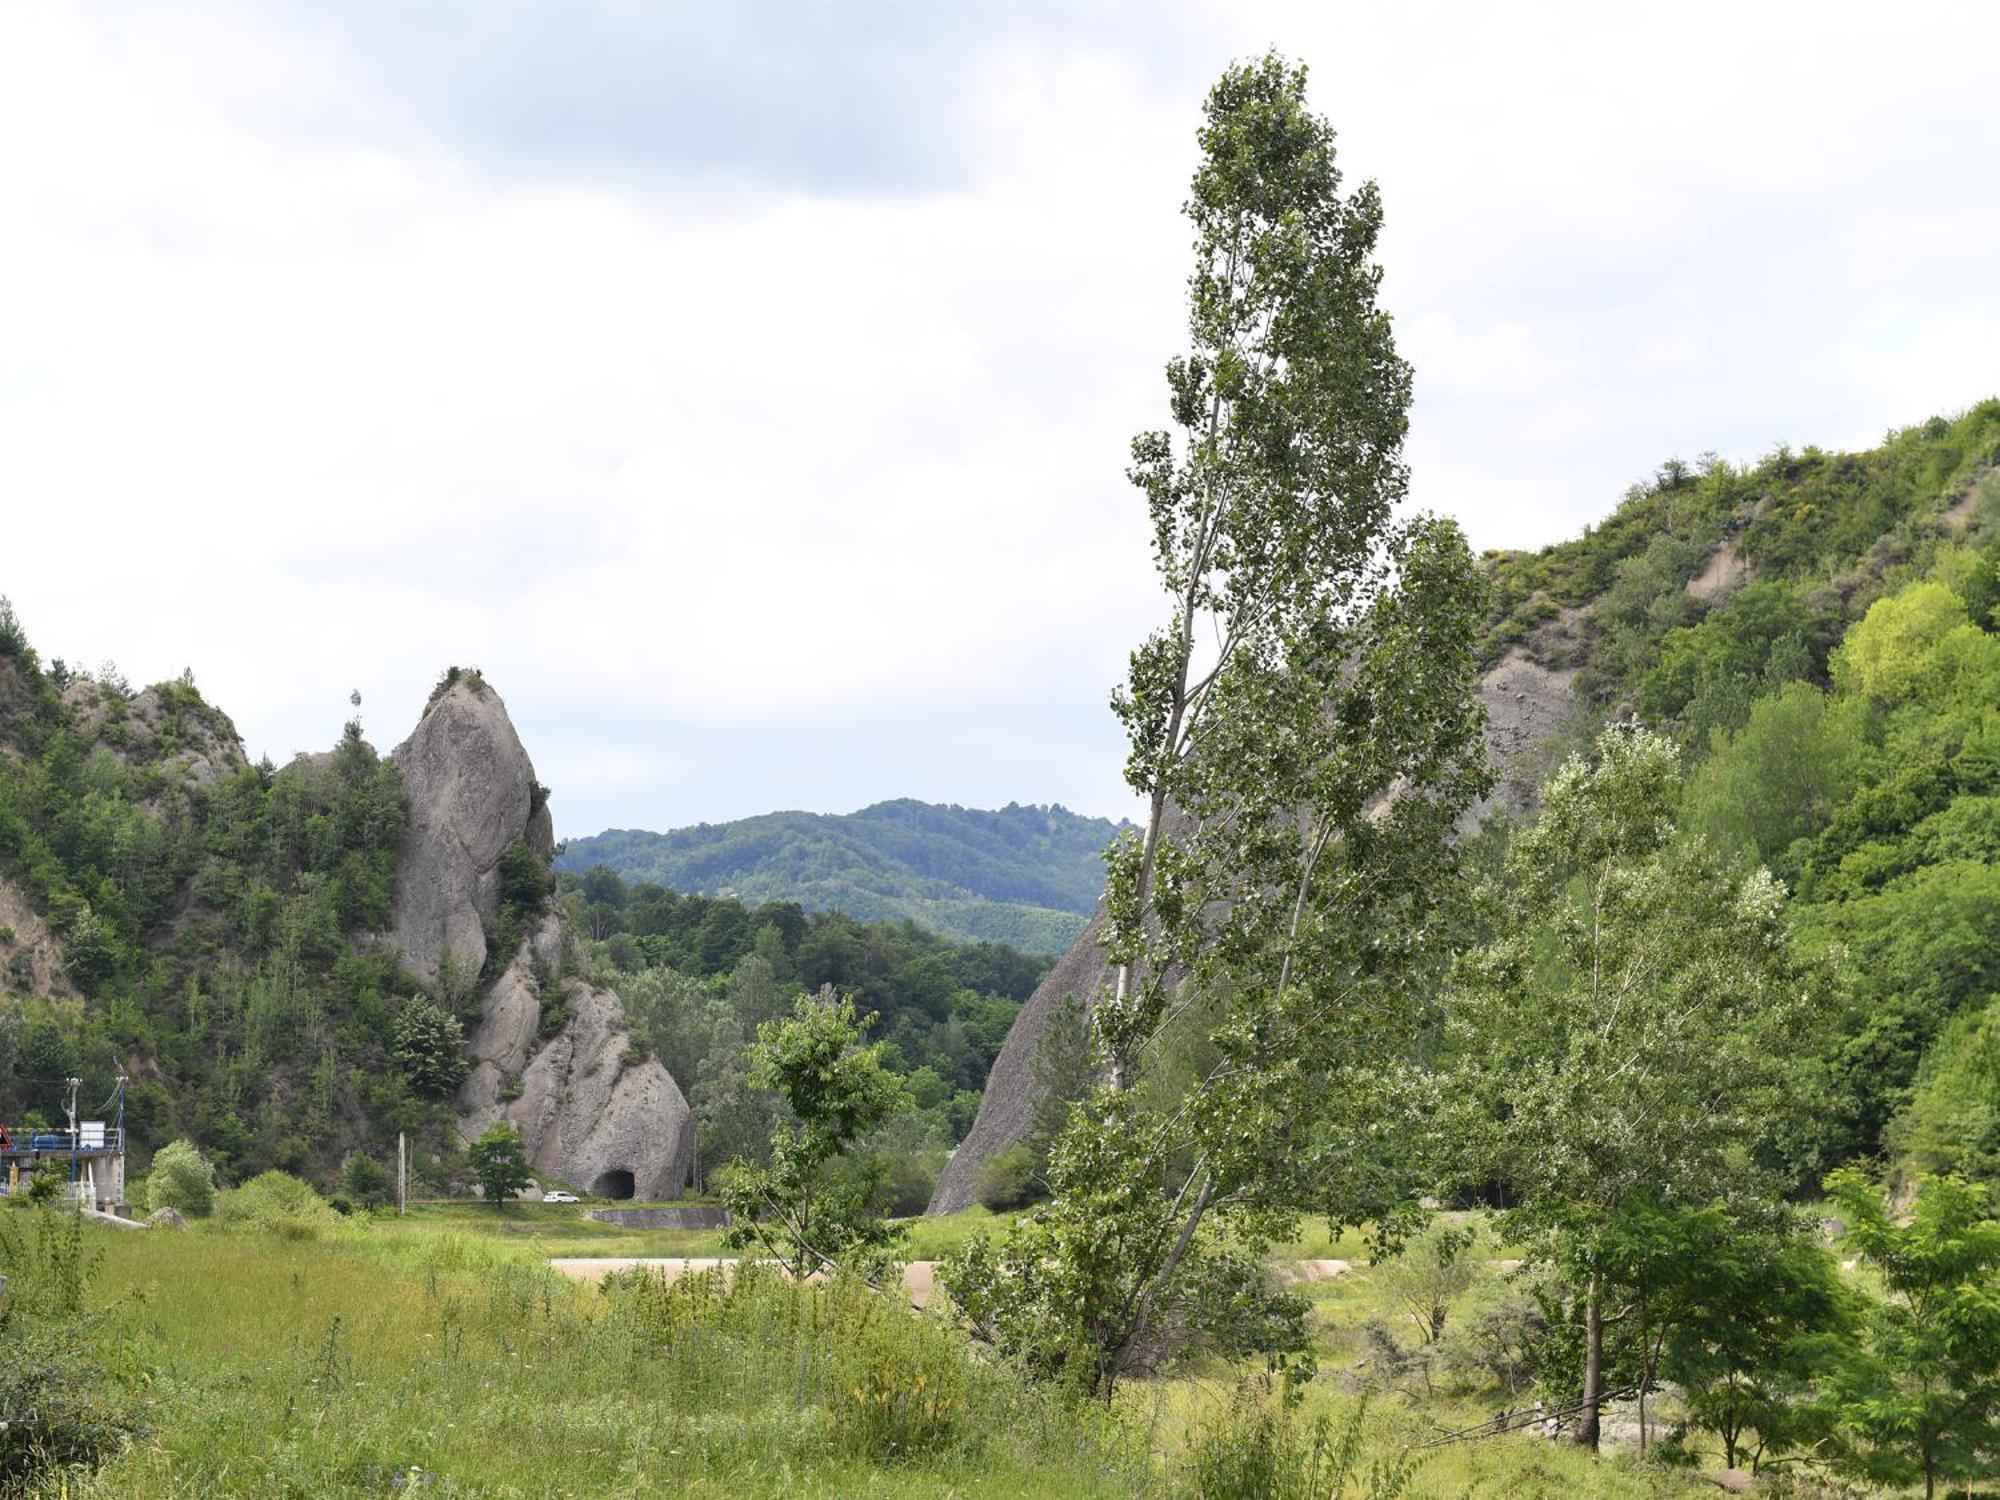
(1026,875)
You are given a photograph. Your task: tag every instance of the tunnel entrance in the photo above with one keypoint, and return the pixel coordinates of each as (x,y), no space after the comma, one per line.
(613,1184)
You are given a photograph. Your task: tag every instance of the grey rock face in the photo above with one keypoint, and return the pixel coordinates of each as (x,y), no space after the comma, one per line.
(1527,703)
(1007,1108)
(585,1114)
(166,1218)
(470,790)
(31,955)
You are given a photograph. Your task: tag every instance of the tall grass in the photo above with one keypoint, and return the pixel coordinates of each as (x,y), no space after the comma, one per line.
(443,1363)
(439,1358)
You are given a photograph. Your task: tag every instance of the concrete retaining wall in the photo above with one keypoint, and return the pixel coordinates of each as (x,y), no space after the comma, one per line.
(695,1216)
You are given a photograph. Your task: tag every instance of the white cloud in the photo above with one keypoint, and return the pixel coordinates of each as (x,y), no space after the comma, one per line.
(757,491)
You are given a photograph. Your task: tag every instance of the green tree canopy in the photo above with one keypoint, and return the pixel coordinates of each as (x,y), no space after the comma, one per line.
(182,1179)
(801,1208)
(1304,730)
(498,1163)
(1921,1400)
(1624,1035)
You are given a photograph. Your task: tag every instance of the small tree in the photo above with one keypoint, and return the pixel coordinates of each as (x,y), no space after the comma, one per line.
(366,1183)
(1745,1319)
(498,1163)
(429,1048)
(182,1179)
(1923,1398)
(1431,1272)
(801,1210)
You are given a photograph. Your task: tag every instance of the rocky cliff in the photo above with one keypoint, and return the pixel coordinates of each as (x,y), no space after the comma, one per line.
(471,792)
(589,1111)
(1007,1107)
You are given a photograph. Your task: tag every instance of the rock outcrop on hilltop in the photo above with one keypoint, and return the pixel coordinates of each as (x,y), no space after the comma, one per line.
(1527,703)
(168,721)
(588,1112)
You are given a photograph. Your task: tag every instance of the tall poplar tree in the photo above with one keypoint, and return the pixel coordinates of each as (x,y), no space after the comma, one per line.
(1305,730)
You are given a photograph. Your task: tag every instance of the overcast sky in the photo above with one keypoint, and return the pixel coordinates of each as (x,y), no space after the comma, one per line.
(746,388)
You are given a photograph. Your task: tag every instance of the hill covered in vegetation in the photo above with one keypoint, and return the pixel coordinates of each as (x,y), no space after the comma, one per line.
(1818,631)
(223,934)
(1026,876)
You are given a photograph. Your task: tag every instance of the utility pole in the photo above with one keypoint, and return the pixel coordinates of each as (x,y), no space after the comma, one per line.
(402,1174)
(118,1095)
(70,1110)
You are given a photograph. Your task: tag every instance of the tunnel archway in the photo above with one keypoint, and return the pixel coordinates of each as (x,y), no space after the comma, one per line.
(617,1183)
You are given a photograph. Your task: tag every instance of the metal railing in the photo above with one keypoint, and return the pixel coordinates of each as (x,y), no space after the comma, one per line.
(102,1140)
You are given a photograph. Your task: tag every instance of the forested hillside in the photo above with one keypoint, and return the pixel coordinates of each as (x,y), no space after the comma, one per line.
(1819,634)
(1026,876)
(216,931)
(199,924)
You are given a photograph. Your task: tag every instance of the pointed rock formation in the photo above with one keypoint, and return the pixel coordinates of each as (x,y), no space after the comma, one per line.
(588,1111)
(471,792)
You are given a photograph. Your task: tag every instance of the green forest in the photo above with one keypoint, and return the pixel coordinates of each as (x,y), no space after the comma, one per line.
(209,930)
(1839,713)
(1025,876)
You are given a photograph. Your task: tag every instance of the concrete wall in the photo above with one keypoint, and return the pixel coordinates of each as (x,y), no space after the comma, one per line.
(696,1216)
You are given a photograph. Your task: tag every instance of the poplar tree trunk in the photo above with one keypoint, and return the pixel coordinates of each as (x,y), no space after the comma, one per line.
(1593,1367)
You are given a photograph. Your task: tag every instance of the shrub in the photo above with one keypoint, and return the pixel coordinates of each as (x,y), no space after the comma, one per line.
(182,1178)
(1258,1449)
(55,1410)
(892,1384)
(45,1184)
(1009,1180)
(898,1378)
(276,1203)
(48,1268)
(366,1183)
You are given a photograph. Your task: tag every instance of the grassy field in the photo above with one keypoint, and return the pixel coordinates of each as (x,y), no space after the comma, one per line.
(437,1355)
(406,1361)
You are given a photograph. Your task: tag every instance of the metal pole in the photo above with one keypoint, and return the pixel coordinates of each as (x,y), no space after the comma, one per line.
(74,1085)
(402,1174)
(118,1195)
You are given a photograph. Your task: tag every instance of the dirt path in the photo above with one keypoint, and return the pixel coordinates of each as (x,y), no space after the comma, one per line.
(919,1276)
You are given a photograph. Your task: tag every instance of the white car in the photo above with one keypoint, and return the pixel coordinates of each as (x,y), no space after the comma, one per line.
(560,1196)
